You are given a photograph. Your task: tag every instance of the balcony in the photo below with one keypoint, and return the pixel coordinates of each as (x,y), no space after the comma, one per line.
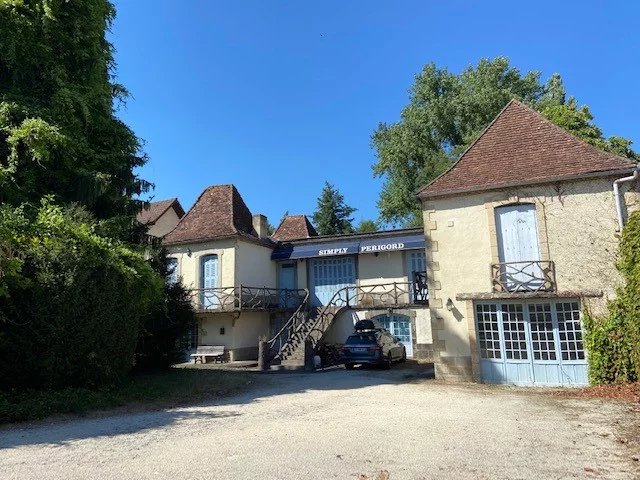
(523,277)
(384,295)
(234,299)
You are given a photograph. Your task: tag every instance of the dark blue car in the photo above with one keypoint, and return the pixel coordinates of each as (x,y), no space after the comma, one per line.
(372,346)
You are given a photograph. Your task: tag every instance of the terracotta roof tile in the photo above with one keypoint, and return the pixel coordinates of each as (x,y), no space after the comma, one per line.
(521,146)
(294,227)
(220,211)
(155,210)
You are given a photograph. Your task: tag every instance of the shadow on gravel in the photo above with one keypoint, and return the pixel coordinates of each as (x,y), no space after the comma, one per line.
(267,385)
(61,432)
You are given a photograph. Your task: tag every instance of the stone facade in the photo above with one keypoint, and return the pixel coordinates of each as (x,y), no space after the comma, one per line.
(577,230)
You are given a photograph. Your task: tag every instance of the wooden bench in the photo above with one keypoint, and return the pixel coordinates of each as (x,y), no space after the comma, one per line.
(204,351)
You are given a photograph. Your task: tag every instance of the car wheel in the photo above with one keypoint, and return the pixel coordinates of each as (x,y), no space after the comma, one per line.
(404,355)
(389,362)
(348,366)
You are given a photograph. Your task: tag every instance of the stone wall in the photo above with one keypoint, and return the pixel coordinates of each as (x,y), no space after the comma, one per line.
(577,230)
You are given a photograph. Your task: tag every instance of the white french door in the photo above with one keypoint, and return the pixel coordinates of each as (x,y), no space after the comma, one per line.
(518,247)
(328,275)
(532,343)
(209,280)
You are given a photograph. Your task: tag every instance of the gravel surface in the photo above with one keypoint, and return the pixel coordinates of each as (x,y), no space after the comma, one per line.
(339,424)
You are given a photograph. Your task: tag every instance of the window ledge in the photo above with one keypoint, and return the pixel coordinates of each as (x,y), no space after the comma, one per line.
(527,295)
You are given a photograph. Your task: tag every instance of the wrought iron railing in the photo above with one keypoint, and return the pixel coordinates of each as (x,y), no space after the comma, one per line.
(420,292)
(529,276)
(303,324)
(247,298)
(287,332)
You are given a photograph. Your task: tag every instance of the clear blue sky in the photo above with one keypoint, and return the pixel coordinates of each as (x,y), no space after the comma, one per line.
(279,96)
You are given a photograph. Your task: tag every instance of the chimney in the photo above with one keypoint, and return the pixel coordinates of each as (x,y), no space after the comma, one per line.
(261,225)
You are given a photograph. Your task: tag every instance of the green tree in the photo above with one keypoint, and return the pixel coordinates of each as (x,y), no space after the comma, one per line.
(163,336)
(579,121)
(367,226)
(447,111)
(73,296)
(59,133)
(332,215)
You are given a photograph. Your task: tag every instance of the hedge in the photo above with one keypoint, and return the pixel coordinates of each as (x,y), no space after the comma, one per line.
(71,301)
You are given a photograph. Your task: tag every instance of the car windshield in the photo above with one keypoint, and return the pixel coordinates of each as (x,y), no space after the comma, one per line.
(367,339)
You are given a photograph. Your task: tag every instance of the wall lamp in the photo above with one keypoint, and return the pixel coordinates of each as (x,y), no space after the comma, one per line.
(450,304)
(189,252)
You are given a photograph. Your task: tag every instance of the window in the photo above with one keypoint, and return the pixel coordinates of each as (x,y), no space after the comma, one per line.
(417,274)
(515,341)
(542,338)
(570,331)
(363,339)
(488,331)
(209,282)
(531,343)
(172,270)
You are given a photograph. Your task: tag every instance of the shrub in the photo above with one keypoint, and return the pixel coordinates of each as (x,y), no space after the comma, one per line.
(71,302)
(613,341)
(163,337)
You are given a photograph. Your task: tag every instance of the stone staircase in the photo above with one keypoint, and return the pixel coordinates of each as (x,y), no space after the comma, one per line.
(302,332)
(294,352)
(297,339)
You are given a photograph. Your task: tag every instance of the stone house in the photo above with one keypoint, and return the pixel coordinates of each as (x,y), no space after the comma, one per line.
(522,235)
(247,284)
(161,217)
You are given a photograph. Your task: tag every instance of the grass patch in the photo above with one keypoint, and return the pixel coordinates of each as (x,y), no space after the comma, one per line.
(177,386)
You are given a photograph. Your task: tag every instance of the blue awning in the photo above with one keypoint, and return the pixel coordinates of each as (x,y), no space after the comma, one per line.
(309,250)
(372,245)
(390,244)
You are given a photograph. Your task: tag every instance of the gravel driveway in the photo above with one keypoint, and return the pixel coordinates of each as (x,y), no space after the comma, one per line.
(339,424)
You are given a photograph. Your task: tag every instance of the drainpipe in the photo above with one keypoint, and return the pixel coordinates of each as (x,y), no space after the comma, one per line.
(618,197)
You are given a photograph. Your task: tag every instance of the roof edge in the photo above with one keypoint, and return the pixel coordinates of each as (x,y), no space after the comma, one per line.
(420,193)
(237,236)
(172,202)
(542,181)
(186,214)
(329,238)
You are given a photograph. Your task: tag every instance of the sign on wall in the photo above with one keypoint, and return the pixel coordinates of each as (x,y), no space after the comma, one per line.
(334,249)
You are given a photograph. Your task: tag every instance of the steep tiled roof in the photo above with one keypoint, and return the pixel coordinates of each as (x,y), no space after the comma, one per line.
(149,215)
(294,227)
(218,212)
(520,146)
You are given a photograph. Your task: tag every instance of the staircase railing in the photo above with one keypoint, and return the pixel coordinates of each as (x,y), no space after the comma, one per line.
(383,295)
(286,332)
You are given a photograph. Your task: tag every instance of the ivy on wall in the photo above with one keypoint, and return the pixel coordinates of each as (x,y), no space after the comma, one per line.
(613,340)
